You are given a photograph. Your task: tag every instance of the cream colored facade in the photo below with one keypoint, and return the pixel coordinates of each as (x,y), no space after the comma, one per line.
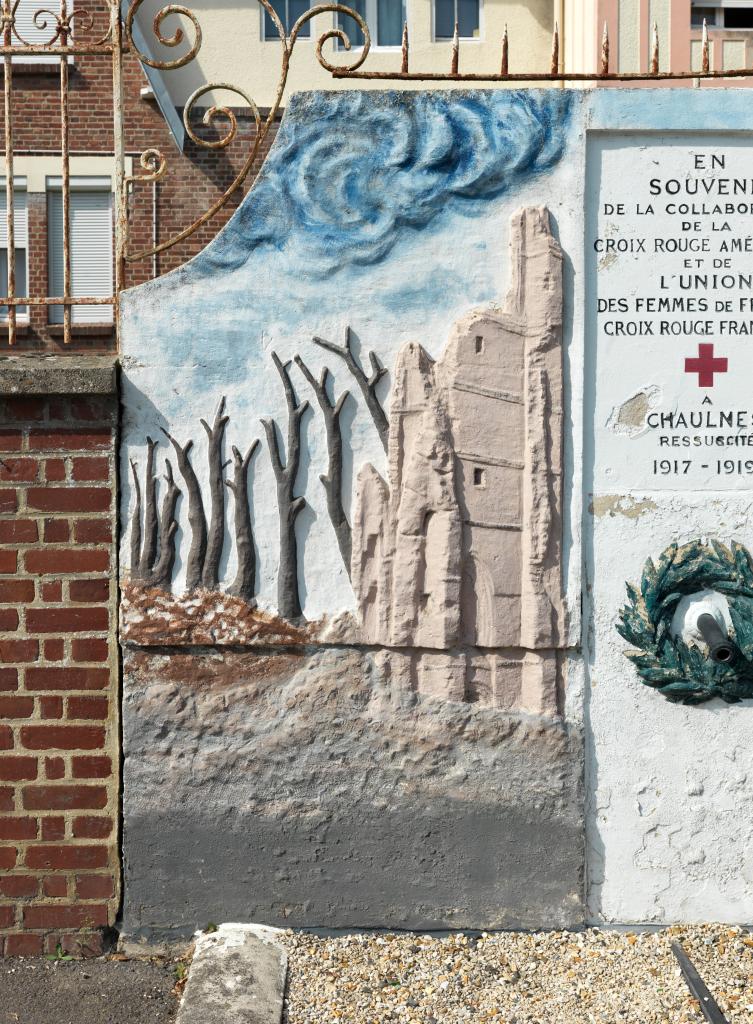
(234,50)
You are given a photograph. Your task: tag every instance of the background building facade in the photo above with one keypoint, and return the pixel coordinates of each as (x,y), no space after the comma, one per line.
(679,26)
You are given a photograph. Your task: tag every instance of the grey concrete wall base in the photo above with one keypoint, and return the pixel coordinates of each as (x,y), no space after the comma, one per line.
(321,797)
(237,977)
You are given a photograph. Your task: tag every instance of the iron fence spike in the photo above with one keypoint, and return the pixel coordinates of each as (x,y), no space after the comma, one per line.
(605,50)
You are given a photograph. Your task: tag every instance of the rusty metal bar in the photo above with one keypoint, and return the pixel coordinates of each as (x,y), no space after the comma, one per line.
(404,63)
(505,62)
(54,52)
(65,175)
(55,300)
(563,76)
(8,19)
(455,58)
(705,63)
(709,1006)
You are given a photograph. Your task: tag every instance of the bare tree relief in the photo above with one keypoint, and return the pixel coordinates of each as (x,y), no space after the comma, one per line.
(368,385)
(162,573)
(136,524)
(153,537)
(196,518)
(211,569)
(149,547)
(244,584)
(146,567)
(333,478)
(289,506)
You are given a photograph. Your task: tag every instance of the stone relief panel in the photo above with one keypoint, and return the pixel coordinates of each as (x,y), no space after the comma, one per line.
(459,549)
(344,615)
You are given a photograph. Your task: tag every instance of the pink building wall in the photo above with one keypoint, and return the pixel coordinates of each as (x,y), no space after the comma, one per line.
(677,38)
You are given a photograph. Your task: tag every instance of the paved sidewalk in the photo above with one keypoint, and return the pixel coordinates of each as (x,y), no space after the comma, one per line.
(36,991)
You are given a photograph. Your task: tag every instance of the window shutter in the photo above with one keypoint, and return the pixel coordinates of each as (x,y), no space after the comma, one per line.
(29,31)
(20,218)
(91,252)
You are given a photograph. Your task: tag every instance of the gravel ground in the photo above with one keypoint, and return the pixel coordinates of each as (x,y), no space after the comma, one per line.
(37,991)
(516,978)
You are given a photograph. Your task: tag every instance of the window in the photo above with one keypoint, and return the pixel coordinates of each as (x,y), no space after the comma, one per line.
(385,19)
(288,11)
(463,12)
(733,14)
(479,344)
(90,243)
(20,230)
(738,17)
(32,33)
(700,14)
(479,476)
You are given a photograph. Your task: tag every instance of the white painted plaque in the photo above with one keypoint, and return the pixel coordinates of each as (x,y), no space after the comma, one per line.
(670,293)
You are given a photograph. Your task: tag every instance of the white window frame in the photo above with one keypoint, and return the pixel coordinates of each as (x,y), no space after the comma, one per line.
(372,21)
(82,315)
(465,39)
(21,232)
(275,38)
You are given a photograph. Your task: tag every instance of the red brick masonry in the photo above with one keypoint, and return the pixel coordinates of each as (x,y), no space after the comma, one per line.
(59,869)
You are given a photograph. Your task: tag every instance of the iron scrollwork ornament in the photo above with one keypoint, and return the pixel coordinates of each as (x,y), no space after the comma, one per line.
(683,672)
(222,117)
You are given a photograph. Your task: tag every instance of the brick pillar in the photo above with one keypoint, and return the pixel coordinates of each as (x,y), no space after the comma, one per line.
(59,743)
(36,205)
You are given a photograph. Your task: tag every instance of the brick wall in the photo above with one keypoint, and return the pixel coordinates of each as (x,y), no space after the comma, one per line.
(59,873)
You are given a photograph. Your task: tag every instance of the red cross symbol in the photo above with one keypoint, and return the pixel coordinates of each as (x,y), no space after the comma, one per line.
(706,365)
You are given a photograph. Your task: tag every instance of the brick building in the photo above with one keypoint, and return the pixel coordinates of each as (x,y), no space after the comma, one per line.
(195,178)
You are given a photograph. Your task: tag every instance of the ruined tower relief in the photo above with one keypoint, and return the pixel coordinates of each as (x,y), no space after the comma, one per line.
(460,550)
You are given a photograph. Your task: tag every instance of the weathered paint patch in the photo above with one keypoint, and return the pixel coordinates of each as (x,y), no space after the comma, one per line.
(620,505)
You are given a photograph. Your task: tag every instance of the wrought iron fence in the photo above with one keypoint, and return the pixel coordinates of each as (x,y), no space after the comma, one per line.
(62,45)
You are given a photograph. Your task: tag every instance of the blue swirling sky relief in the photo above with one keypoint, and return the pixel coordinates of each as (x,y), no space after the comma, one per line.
(350,171)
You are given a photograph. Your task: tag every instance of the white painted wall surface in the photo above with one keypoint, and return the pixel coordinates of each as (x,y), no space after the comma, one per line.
(670,831)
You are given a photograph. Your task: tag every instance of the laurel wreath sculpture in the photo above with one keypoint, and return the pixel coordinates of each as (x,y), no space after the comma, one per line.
(679,671)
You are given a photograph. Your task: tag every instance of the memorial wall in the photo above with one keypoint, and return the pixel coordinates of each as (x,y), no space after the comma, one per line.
(670,347)
(436,604)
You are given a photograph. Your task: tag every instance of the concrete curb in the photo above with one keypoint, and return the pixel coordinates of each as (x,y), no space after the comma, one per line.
(237,977)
